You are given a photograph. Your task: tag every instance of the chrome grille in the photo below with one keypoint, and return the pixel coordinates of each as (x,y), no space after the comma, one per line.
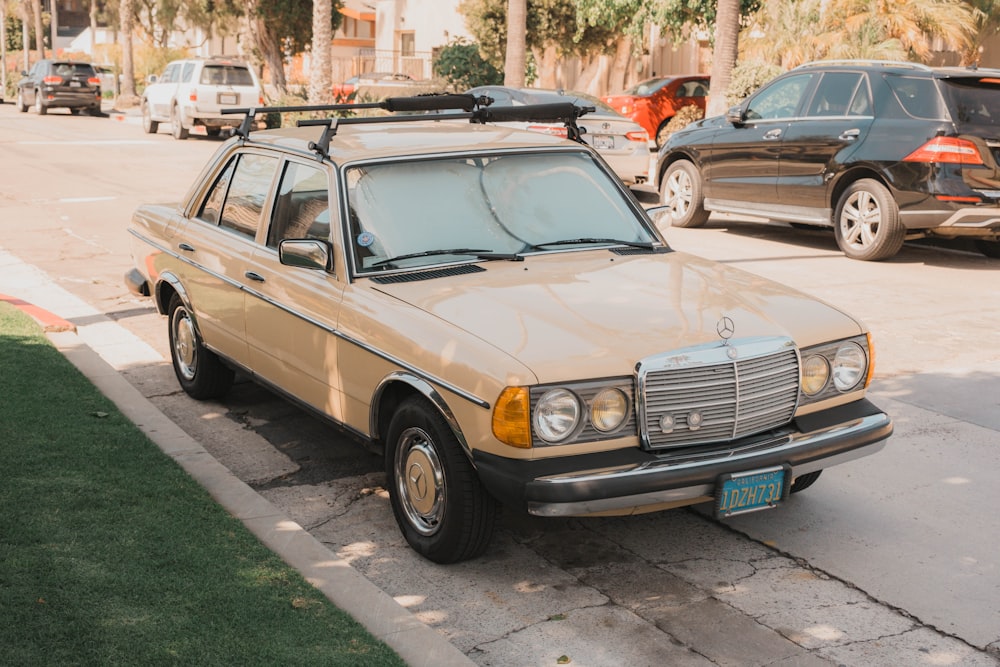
(702,395)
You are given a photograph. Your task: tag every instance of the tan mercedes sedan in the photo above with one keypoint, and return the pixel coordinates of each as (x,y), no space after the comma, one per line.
(493,310)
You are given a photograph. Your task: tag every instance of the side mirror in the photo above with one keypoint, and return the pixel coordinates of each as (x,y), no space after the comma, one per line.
(306,253)
(735,115)
(151,78)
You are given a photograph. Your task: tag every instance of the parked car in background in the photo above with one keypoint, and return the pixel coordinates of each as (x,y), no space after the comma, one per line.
(619,140)
(653,102)
(493,312)
(67,84)
(191,94)
(879,151)
(342,92)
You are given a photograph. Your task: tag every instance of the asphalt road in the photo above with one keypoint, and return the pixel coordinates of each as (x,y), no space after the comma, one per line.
(888,560)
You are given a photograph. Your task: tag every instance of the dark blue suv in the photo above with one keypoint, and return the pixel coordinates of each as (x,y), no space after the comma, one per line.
(880,151)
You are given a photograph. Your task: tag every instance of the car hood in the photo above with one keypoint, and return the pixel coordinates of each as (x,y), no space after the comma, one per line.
(595,313)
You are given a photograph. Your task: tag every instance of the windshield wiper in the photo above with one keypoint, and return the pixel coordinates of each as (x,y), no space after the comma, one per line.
(633,244)
(481,253)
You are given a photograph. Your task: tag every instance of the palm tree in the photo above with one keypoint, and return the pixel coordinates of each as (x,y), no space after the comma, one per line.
(784,33)
(914,23)
(320,74)
(514,60)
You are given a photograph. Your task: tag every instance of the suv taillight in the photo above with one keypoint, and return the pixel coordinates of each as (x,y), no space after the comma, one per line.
(947,150)
(94,81)
(52,80)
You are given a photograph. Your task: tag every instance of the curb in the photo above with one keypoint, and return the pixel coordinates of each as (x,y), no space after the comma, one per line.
(416,643)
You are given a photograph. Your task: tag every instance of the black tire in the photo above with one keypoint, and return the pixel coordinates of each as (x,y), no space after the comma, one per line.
(443,510)
(149,126)
(680,191)
(177,129)
(74,111)
(21,106)
(213,131)
(40,107)
(803,482)
(199,371)
(95,110)
(866,223)
(989,248)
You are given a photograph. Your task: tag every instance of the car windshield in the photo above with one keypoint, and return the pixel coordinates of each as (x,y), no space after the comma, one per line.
(973,102)
(647,87)
(406,215)
(579,99)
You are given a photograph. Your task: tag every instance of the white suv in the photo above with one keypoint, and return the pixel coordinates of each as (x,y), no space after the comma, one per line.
(192,93)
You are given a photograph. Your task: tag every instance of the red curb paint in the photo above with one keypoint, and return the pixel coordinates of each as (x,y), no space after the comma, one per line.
(48,321)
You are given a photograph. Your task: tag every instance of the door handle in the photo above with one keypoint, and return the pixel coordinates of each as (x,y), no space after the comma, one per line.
(849,135)
(186,247)
(254,276)
(771,135)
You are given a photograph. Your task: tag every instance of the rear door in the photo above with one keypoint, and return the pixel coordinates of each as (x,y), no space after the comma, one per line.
(817,144)
(225,84)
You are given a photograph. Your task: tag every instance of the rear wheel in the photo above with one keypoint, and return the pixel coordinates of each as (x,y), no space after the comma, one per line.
(177,128)
(199,370)
(803,482)
(443,510)
(149,126)
(680,192)
(989,248)
(40,107)
(867,222)
(75,111)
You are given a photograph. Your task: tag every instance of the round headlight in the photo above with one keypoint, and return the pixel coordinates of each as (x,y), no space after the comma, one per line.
(609,410)
(556,415)
(815,373)
(849,366)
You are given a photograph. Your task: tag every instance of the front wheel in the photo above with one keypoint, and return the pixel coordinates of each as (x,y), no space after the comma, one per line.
(867,223)
(21,105)
(199,371)
(443,510)
(680,192)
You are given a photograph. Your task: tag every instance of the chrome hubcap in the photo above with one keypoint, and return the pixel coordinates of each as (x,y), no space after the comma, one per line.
(185,350)
(420,481)
(860,220)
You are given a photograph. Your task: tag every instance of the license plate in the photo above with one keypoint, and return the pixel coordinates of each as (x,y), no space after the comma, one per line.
(742,492)
(75,84)
(604,141)
(227,98)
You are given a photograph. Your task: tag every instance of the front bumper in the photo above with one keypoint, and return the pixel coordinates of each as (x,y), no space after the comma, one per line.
(627,480)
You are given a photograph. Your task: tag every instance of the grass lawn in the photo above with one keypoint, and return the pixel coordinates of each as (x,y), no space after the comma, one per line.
(111,555)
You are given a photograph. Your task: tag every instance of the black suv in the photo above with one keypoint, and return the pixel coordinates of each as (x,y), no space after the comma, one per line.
(60,83)
(880,151)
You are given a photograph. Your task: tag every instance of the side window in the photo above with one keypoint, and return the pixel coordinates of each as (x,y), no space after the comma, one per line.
(780,99)
(186,74)
(302,209)
(212,207)
(861,105)
(248,191)
(834,94)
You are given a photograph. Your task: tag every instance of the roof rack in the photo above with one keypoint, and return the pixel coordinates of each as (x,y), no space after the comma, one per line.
(867,61)
(422,108)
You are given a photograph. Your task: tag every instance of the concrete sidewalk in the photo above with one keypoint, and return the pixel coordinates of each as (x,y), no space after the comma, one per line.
(380,614)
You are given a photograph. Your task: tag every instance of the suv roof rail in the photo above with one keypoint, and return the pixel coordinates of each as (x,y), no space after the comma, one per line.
(867,61)
(418,108)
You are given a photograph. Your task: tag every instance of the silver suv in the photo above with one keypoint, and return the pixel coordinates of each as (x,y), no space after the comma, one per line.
(192,93)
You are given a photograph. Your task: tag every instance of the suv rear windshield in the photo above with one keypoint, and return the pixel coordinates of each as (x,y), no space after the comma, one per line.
(226,75)
(73,69)
(973,101)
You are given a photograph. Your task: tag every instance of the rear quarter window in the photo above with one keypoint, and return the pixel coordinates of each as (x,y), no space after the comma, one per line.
(918,96)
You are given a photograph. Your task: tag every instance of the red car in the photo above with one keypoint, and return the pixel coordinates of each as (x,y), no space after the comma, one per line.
(654,102)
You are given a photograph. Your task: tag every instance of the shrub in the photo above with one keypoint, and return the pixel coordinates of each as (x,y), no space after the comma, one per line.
(462,67)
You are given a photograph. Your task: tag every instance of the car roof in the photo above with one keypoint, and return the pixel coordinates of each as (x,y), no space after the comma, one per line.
(901,67)
(409,139)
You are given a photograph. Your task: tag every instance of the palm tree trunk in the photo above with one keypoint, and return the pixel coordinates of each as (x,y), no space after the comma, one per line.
(36,9)
(727,34)
(320,74)
(126,14)
(514,60)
